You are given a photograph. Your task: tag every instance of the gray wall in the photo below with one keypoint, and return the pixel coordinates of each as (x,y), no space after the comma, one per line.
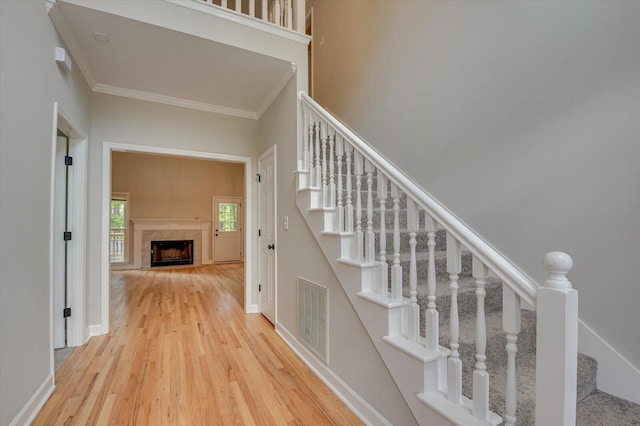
(30,82)
(520,117)
(353,356)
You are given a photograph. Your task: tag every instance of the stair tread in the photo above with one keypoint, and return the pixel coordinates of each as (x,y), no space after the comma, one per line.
(600,408)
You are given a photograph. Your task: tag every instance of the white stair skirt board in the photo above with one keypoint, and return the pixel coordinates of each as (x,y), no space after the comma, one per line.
(616,375)
(355,402)
(31,409)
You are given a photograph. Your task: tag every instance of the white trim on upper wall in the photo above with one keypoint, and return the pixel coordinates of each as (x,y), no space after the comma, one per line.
(107,149)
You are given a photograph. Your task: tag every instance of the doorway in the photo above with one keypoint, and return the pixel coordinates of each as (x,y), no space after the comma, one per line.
(250,300)
(267,234)
(227,229)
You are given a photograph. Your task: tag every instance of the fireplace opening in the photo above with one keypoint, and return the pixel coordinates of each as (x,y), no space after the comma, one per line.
(169,253)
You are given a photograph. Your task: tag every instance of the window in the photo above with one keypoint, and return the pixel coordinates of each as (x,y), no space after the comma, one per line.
(228,217)
(118,228)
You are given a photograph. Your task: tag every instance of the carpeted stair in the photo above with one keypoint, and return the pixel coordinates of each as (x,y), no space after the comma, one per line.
(594,407)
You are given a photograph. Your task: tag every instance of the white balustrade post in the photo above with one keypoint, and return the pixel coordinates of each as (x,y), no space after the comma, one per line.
(238,6)
(349,207)
(277,17)
(325,186)
(557,344)
(370,236)
(413,329)
(431,317)
(305,147)
(318,167)
(384,267)
(289,14)
(396,268)
(265,10)
(332,179)
(300,16)
(511,316)
(454,364)
(480,374)
(359,166)
(252,8)
(340,154)
(223,3)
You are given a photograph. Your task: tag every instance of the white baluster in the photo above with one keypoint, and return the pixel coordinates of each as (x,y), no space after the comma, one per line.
(340,154)
(349,207)
(396,268)
(332,180)
(300,16)
(289,14)
(480,374)
(359,160)
(413,323)
(318,167)
(265,10)
(556,344)
(306,137)
(454,364)
(511,326)
(252,8)
(432,321)
(384,267)
(238,6)
(223,3)
(370,239)
(277,18)
(325,186)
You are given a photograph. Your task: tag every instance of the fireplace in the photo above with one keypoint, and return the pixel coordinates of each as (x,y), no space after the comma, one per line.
(170,253)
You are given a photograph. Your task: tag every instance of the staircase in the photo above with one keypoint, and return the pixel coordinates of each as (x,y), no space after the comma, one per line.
(462,331)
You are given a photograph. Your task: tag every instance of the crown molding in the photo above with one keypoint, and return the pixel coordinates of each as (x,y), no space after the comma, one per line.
(170,100)
(268,100)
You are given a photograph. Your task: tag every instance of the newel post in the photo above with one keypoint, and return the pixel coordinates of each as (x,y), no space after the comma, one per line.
(557,344)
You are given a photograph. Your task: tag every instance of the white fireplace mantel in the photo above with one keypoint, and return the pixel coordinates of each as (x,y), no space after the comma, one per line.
(141,225)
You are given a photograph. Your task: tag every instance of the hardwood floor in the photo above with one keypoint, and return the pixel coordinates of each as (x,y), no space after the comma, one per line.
(182,352)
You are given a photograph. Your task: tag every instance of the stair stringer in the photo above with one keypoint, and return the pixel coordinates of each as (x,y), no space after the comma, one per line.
(414,369)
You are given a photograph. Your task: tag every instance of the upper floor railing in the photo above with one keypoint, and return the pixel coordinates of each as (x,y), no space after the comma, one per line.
(288,14)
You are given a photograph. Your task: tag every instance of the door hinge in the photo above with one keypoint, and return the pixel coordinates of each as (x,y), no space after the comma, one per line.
(68,160)
(259,232)
(259,177)
(67,235)
(259,287)
(66,312)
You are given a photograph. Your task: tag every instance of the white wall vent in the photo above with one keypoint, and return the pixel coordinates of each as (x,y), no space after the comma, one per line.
(313,317)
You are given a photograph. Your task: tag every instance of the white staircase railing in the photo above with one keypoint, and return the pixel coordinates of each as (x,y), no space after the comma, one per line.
(333,160)
(288,14)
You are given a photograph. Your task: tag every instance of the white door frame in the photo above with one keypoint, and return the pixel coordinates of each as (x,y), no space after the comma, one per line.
(107,148)
(76,324)
(265,154)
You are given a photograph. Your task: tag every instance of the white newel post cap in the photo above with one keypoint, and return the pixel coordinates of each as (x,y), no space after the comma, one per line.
(558,264)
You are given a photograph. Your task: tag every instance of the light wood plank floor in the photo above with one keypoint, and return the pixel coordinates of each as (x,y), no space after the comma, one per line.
(182,352)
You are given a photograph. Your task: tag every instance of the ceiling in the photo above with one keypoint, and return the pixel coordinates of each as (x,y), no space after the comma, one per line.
(124,57)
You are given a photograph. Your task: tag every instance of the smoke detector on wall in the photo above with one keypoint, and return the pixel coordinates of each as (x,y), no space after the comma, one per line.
(63,59)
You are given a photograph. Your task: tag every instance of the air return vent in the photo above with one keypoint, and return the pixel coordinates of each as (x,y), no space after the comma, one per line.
(313,317)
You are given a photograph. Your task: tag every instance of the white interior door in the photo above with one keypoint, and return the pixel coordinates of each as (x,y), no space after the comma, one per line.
(227,229)
(267,238)
(59,258)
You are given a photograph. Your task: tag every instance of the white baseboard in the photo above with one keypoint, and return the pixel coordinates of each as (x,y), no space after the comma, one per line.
(97,330)
(252,309)
(31,409)
(355,402)
(616,375)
